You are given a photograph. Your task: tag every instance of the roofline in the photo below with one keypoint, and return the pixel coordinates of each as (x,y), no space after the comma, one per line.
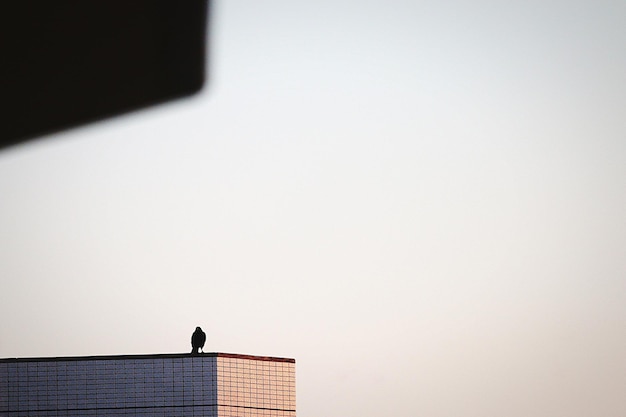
(150,356)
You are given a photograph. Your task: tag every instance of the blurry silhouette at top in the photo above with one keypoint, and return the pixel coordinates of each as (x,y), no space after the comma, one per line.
(197,341)
(69,62)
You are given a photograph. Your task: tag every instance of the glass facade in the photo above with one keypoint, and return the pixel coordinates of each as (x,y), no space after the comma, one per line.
(251,388)
(210,384)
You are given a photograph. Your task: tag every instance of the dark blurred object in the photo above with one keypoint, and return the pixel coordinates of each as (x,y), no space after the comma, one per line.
(68,62)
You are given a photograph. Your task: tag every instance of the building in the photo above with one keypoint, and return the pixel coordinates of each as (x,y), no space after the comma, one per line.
(166,385)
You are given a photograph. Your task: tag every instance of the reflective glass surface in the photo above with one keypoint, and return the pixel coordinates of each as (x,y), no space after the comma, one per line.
(181,386)
(255,388)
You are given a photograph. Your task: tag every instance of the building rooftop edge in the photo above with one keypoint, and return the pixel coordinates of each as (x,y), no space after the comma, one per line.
(149,356)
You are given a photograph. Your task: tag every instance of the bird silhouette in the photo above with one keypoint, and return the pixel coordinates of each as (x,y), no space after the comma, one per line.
(197,341)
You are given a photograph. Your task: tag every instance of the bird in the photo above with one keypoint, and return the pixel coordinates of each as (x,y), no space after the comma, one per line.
(197,341)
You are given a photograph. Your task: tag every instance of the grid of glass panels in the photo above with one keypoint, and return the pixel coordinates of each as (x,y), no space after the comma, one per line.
(212,385)
(181,387)
(255,388)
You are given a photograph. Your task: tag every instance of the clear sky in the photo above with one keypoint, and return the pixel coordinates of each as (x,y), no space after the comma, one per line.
(423,202)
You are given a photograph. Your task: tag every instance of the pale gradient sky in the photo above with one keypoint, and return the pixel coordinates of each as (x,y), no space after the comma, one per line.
(422,202)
